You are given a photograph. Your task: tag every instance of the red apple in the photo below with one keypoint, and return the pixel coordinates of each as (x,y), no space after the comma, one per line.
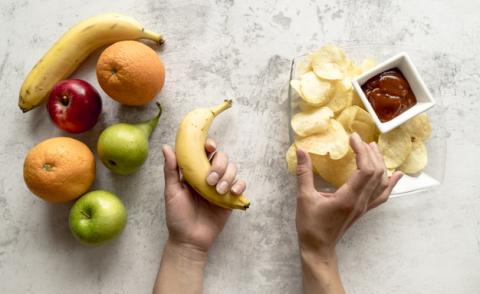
(74,105)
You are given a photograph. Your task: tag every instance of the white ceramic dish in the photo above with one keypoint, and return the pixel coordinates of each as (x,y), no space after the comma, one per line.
(424,99)
(433,174)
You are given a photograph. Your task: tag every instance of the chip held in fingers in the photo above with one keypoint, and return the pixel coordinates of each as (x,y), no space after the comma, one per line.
(333,142)
(335,172)
(356,119)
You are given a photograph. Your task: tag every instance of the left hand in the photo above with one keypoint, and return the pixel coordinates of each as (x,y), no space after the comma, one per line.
(192,221)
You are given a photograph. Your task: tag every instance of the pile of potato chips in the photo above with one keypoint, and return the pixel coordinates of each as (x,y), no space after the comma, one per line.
(329,111)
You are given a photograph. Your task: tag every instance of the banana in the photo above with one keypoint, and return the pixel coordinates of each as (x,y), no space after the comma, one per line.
(193,161)
(73,48)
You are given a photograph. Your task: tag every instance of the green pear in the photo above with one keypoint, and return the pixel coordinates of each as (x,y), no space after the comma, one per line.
(123,147)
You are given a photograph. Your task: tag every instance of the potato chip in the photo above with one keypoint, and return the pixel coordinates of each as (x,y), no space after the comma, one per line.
(340,100)
(367,132)
(390,171)
(295,84)
(395,147)
(346,84)
(315,91)
(335,172)
(329,53)
(353,70)
(347,117)
(328,71)
(304,106)
(418,127)
(304,65)
(357,101)
(291,158)
(312,122)
(363,116)
(329,63)
(417,160)
(367,64)
(334,141)
(355,119)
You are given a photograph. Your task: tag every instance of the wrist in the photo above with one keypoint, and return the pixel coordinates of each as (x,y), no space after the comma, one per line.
(185,252)
(320,271)
(320,253)
(320,257)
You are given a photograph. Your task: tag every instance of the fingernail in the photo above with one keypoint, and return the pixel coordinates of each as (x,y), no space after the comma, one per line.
(222,188)
(236,189)
(212,178)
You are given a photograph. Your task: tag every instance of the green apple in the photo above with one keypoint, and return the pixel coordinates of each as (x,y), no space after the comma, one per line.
(97,216)
(123,147)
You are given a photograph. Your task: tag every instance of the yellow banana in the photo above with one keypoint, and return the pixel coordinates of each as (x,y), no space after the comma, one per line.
(73,48)
(193,161)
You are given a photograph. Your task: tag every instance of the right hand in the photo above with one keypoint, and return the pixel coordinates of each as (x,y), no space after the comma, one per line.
(323,218)
(192,221)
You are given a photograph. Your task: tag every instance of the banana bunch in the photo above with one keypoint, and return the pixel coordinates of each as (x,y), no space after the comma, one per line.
(73,48)
(193,161)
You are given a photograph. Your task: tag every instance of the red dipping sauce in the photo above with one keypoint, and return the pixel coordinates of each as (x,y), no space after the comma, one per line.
(389,94)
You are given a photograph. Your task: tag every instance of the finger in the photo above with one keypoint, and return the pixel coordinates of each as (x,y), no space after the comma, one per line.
(378,175)
(219,165)
(365,169)
(210,146)
(361,151)
(227,179)
(380,166)
(386,194)
(239,187)
(304,173)
(170,167)
(378,154)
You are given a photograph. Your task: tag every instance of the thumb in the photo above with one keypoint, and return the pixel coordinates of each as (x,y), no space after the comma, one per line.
(170,167)
(304,172)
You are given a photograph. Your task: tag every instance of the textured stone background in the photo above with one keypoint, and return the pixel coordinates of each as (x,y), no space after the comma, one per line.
(428,243)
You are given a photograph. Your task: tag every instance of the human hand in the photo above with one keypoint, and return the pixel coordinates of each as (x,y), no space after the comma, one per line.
(323,218)
(192,221)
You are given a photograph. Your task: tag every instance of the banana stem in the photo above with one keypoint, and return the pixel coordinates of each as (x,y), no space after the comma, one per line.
(226,104)
(159,39)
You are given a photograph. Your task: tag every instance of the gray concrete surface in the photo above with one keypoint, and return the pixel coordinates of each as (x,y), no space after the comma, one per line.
(428,243)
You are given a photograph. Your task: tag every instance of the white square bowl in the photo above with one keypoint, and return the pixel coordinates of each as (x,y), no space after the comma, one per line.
(421,92)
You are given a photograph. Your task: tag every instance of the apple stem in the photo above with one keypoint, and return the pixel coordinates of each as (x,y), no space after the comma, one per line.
(149,125)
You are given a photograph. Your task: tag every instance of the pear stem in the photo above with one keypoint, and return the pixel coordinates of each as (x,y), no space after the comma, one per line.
(226,104)
(149,125)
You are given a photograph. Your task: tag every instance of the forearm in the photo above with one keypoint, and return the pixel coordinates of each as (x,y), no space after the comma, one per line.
(181,270)
(320,274)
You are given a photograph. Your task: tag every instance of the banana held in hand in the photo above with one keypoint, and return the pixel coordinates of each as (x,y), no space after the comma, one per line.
(73,48)
(193,161)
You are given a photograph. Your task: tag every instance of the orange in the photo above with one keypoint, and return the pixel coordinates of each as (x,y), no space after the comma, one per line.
(130,72)
(59,169)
